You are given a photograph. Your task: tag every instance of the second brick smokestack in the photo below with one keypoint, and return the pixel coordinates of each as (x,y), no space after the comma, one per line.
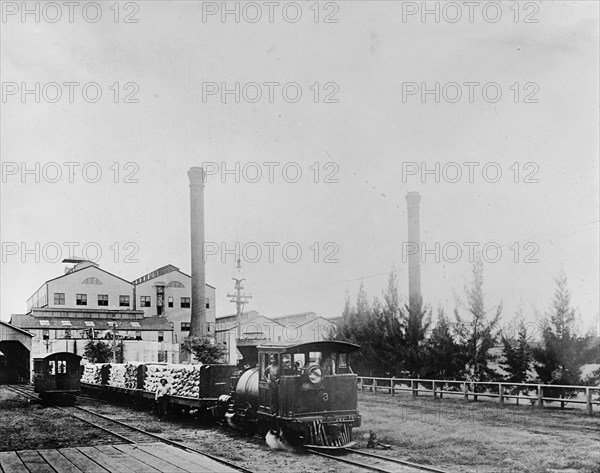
(413,199)
(198,325)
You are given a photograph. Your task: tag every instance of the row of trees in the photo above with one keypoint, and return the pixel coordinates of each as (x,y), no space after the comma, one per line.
(402,341)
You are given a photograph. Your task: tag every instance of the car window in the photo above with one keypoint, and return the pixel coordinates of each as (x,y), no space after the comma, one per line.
(315,356)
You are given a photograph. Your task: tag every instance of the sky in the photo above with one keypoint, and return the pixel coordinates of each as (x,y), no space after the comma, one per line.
(346,95)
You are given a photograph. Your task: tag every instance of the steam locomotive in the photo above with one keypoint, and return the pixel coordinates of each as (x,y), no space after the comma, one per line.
(305,392)
(312,400)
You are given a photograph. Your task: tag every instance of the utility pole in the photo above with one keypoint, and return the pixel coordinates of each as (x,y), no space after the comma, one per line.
(238,298)
(114,337)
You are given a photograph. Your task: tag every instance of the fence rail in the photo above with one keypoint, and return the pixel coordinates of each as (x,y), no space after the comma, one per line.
(476,389)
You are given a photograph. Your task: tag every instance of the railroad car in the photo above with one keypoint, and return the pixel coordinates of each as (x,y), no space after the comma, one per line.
(306,392)
(56,376)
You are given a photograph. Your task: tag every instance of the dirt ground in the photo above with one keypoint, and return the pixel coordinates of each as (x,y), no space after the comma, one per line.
(25,425)
(457,437)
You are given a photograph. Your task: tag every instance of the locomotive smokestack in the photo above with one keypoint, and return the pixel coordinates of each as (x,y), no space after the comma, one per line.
(198,325)
(413,199)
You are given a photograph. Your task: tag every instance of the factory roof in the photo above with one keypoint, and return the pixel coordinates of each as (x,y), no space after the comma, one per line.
(159,272)
(25,321)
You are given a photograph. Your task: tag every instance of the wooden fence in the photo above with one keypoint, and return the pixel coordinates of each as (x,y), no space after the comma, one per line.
(467,389)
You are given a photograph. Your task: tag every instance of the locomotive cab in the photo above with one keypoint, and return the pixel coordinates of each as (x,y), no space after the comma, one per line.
(309,388)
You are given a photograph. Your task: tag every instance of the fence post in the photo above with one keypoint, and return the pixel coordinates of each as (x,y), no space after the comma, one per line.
(501,391)
(540,393)
(466,392)
(588,397)
(374,385)
(362,385)
(413,388)
(392,386)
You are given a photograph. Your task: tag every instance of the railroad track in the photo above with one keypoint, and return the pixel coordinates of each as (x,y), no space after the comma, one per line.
(132,434)
(126,432)
(379,463)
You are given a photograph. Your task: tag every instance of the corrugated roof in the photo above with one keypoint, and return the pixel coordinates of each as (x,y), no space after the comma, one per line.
(149,323)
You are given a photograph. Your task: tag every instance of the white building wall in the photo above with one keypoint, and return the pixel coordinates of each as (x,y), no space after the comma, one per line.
(148,289)
(72,284)
(133,350)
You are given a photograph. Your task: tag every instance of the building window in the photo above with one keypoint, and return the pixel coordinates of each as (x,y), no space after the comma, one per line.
(124,301)
(207,303)
(185,326)
(175,284)
(81,299)
(145,301)
(102,299)
(59,298)
(161,336)
(92,281)
(185,303)
(67,333)
(162,356)
(170,301)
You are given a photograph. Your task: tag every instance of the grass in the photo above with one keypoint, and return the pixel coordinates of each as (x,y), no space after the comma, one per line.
(483,436)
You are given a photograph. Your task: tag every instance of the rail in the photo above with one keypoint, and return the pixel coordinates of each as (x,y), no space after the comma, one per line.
(475,389)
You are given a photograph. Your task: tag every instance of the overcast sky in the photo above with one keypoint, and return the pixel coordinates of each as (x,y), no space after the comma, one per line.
(173,57)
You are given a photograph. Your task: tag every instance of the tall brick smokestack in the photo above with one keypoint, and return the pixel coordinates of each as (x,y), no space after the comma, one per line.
(198,326)
(413,199)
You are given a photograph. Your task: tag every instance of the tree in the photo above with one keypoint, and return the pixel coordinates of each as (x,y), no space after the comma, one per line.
(418,320)
(377,328)
(100,352)
(478,334)
(443,356)
(204,349)
(562,352)
(517,355)
(359,326)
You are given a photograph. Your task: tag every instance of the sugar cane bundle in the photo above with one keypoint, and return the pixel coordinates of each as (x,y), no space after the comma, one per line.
(185,380)
(154,374)
(117,375)
(91,374)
